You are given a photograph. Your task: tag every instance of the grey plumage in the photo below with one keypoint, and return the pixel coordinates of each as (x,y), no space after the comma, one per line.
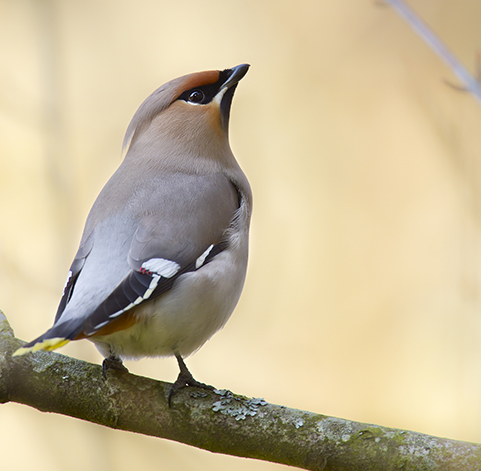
(163,256)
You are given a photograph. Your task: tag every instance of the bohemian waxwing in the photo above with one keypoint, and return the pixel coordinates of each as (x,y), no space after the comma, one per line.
(163,256)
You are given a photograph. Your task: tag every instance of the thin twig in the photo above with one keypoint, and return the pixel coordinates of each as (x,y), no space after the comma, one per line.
(404,11)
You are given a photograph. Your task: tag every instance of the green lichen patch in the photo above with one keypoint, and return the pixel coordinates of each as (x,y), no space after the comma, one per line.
(237,407)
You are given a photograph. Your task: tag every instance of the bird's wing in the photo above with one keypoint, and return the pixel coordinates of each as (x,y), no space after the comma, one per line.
(155,277)
(165,245)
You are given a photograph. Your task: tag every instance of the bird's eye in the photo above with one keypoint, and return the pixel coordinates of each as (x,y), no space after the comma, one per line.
(196,96)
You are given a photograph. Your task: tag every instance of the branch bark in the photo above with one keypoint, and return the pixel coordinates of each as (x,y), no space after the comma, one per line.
(220,421)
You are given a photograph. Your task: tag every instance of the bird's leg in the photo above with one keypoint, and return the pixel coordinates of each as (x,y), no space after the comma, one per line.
(112,362)
(184,379)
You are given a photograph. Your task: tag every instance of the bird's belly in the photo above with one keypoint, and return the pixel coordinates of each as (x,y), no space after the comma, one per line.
(183,319)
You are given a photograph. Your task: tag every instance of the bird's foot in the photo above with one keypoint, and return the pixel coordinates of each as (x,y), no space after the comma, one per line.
(184,379)
(112,362)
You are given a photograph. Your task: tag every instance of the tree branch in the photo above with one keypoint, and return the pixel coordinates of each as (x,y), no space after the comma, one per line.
(471,84)
(219,421)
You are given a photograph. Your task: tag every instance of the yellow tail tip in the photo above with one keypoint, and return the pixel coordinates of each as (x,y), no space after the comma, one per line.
(47,344)
(21,351)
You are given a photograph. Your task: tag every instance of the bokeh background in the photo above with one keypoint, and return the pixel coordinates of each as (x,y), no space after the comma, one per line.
(363,293)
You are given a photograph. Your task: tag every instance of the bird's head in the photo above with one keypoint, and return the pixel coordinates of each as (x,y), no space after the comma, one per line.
(187,116)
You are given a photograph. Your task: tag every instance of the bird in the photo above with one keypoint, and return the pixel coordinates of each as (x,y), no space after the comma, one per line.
(163,256)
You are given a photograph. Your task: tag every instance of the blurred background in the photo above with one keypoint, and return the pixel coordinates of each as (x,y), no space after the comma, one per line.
(363,296)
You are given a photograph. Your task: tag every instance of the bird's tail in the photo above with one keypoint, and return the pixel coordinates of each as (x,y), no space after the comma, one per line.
(56,337)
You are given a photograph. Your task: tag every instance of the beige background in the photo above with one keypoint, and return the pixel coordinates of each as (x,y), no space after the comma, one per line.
(363,293)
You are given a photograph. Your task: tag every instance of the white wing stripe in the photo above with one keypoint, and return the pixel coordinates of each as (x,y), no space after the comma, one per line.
(200,261)
(99,326)
(162,267)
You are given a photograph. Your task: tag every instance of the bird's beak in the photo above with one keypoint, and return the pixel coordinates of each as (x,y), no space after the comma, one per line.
(226,92)
(235,75)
